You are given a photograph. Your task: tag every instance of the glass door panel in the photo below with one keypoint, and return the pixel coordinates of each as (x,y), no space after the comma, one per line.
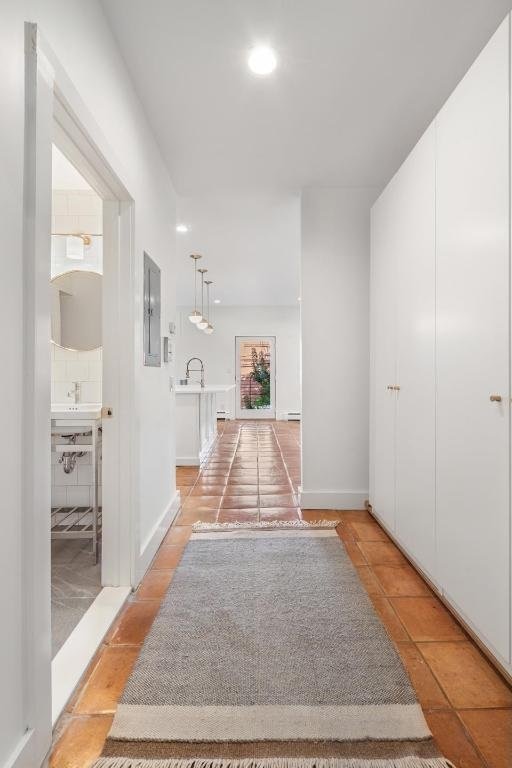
(255,377)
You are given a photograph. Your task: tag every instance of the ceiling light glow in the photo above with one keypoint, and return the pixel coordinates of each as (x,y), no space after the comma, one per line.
(262,60)
(182,228)
(216,301)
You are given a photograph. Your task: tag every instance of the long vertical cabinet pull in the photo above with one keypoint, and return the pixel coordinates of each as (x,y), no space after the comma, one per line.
(473,345)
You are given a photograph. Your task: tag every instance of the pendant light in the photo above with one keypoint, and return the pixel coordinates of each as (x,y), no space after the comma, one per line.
(195,316)
(203,322)
(209,327)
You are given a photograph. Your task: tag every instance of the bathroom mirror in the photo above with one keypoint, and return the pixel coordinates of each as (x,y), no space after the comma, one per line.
(77,310)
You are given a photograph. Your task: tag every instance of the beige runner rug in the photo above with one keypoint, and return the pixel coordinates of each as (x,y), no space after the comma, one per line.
(267,653)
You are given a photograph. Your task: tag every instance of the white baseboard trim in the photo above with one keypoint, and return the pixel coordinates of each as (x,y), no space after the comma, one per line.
(285,416)
(72,660)
(333,499)
(149,547)
(187,461)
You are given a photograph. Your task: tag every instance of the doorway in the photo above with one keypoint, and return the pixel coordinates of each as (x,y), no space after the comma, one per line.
(255,377)
(55,115)
(76,275)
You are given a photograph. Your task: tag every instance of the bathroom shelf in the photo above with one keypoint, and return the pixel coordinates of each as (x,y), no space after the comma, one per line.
(79,522)
(65,447)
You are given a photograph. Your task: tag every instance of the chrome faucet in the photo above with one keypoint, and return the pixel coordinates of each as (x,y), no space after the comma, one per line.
(76,391)
(195,370)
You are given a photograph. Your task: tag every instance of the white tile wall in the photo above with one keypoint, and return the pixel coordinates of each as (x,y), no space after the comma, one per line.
(75,211)
(75,488)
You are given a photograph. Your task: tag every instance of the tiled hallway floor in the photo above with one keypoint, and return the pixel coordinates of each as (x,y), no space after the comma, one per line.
(253,474)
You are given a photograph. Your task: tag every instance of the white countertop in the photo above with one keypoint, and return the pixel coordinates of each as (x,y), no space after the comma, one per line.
(196,389)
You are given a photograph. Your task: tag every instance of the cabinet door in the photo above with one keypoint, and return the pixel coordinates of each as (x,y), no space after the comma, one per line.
(383,356)
(473,344)
(415,307)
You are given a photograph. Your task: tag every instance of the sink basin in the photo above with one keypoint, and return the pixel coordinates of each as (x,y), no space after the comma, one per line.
(78,410)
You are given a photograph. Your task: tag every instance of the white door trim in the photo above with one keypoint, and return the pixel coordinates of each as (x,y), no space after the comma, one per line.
(242,413)
(54,111)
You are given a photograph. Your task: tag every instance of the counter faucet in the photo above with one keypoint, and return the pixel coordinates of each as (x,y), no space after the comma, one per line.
(195,370)
(76,391)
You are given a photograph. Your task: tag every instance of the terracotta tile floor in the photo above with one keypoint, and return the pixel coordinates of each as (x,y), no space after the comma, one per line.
(253,473)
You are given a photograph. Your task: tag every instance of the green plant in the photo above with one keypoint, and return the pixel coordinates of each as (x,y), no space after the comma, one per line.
(261,374)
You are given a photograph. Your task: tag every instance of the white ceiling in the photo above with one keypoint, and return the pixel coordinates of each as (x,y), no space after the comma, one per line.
(250,246)
(357,83)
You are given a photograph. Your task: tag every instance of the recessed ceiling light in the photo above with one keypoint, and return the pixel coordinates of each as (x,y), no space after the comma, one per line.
(216,301)
(182,228)
(262,60)
(298,298)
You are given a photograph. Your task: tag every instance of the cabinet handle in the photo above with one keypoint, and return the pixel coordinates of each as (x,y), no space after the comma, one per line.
(495,398)
(390,386)
(396,388)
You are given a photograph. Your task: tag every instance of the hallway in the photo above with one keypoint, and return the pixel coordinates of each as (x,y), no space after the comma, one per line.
(258,449)
(252,475)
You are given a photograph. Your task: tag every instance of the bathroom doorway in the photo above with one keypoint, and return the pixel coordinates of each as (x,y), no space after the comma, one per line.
(91,556)
(76,273)
(98,499)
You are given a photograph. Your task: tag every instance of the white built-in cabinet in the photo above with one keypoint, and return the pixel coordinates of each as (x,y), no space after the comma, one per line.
(440,394)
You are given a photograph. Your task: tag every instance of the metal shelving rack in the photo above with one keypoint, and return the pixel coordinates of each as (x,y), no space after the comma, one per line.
(79,522)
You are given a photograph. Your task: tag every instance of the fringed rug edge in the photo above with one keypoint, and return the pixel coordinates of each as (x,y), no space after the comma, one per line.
(264,525)
(279,762)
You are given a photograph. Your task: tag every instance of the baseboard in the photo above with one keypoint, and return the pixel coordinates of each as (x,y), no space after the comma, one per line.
(187,461)
(74,657)
(285,416)
(150,546)
(333,499)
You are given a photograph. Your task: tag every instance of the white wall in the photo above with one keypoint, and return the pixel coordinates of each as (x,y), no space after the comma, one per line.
(80,37)
(335,346)
(250,245)
(218,350)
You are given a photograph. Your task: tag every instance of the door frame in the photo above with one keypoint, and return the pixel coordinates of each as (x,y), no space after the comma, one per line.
(54,112)
(242,413)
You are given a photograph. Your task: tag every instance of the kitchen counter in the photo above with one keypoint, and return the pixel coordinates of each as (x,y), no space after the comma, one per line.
(196,389)
(196,419)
